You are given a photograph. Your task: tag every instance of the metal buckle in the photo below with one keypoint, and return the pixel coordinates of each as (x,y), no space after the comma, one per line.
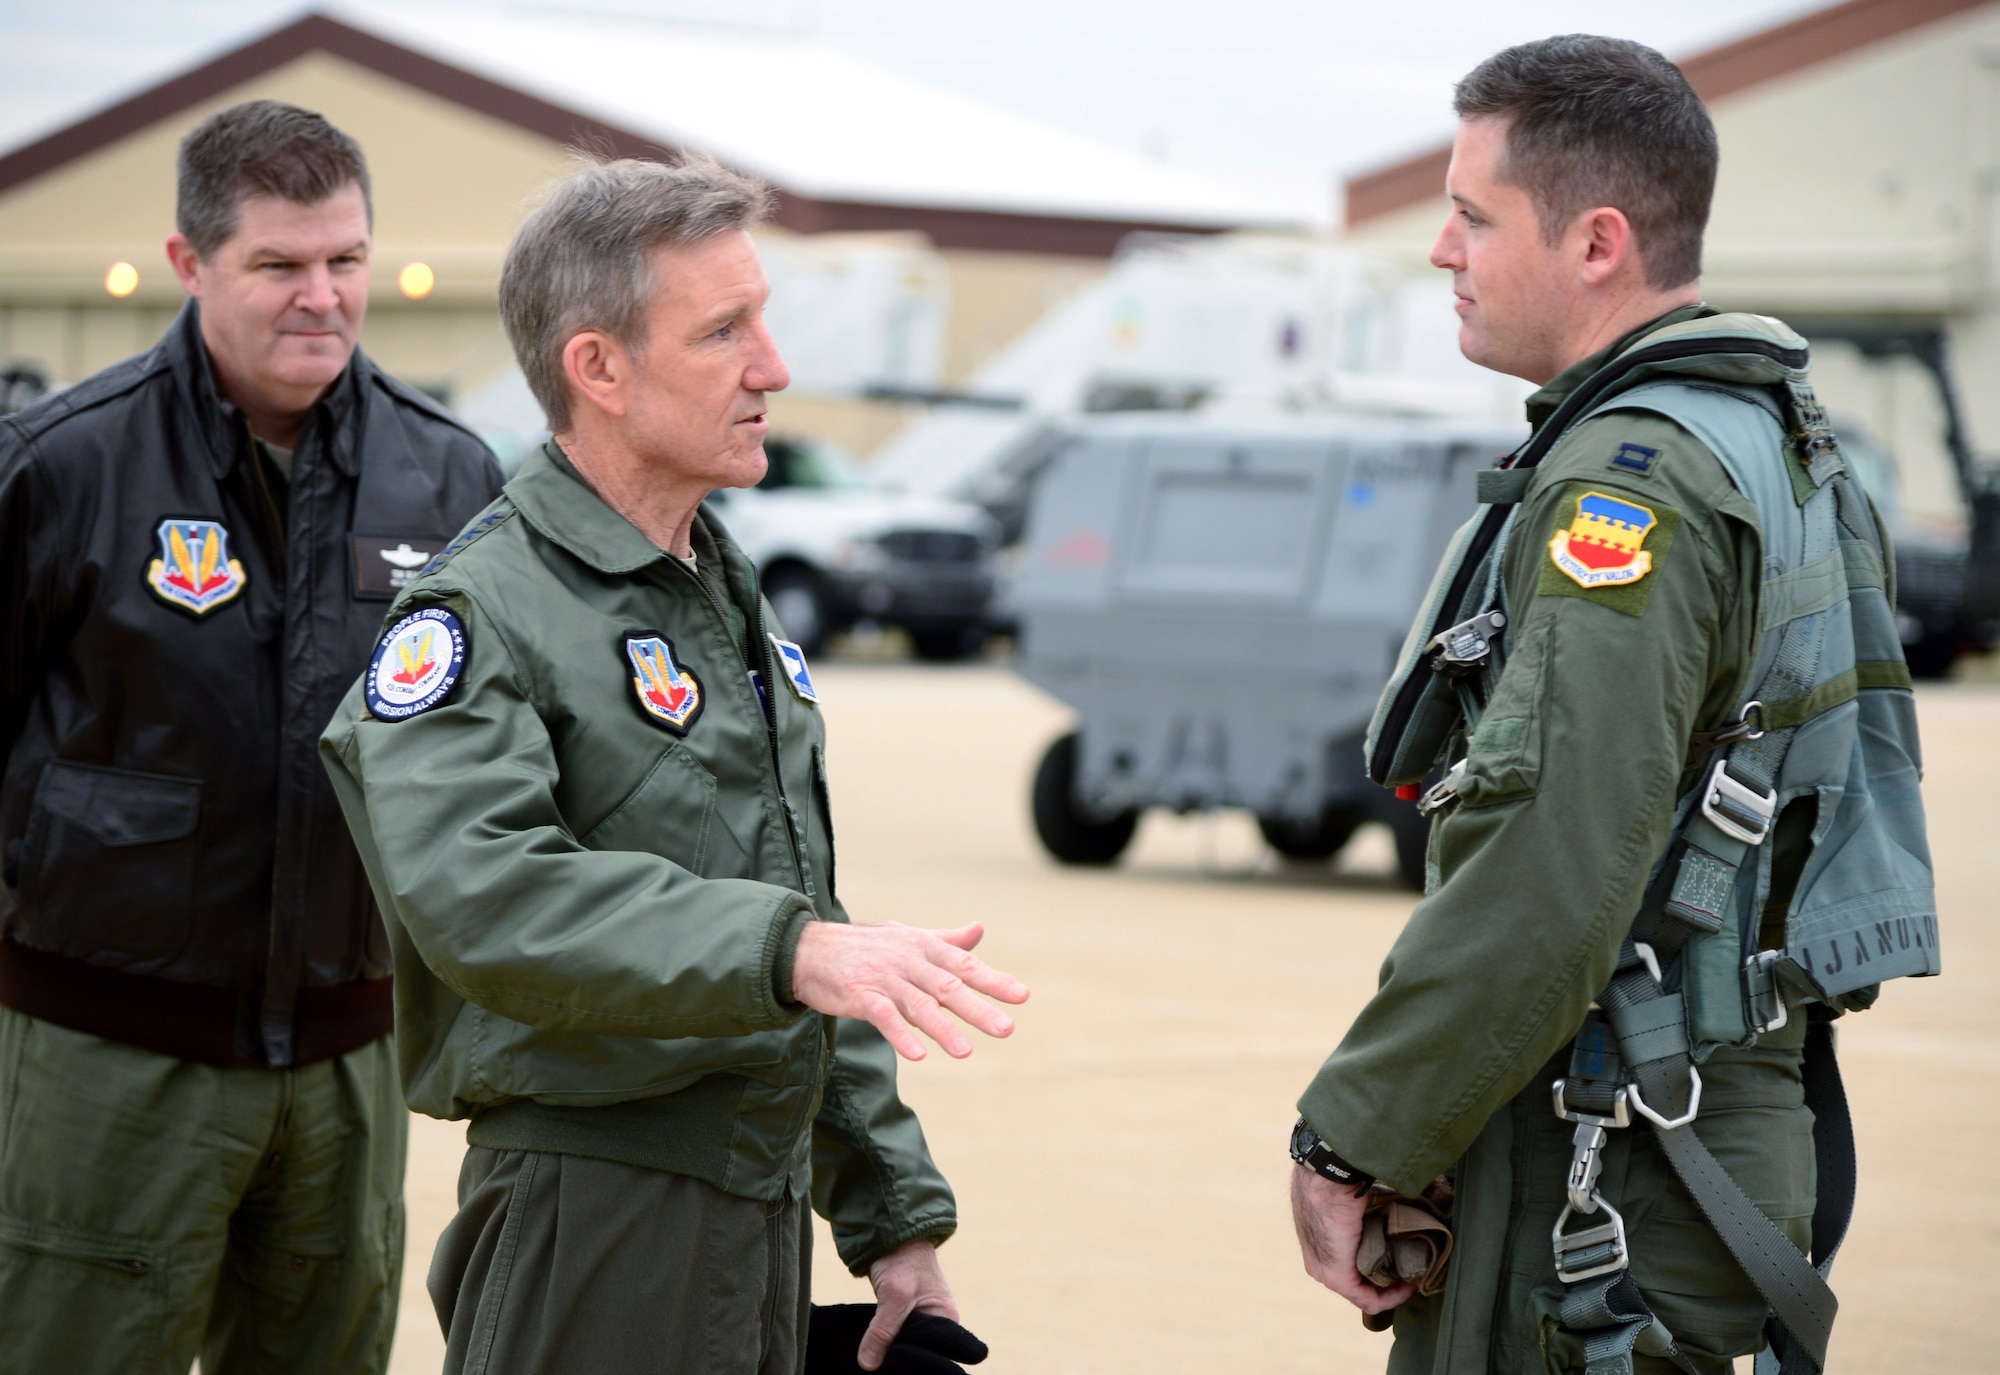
(1442,793)
(1465,646)
(1586,1163)
(1590,1238)
(1620,1115)
(1694,1103)
(1752,810)
(1765,1000)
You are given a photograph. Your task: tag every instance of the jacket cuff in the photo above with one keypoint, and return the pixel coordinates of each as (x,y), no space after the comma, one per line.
(937,1230)
(785,950)
(1350,1147)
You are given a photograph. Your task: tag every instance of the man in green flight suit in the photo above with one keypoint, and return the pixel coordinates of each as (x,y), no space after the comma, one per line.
(1580,185)
(587,776)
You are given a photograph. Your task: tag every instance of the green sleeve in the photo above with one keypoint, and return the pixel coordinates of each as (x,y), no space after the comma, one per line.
(873,1180)
(455,814)
(1568,799)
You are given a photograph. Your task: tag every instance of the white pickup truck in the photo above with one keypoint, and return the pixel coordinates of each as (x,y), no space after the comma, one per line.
(835,550)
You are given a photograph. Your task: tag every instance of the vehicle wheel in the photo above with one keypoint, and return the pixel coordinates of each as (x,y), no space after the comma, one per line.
(1413,838)
(1933,655)
(947,644)
(1319,838)
(796,595)
(1067,832)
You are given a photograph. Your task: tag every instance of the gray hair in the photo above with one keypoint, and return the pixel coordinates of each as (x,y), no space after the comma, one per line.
(1604,121)
(583,258)
(260,148)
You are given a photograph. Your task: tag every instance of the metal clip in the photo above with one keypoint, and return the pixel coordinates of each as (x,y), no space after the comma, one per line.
(1444,792)
(1586,1163)
(1749,812)
(1761,994)
(1466,646)
(1620,1116)
(1590,1239)
(1694,1103)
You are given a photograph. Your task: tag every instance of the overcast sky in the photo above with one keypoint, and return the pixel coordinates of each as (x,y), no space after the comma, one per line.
(1286,95)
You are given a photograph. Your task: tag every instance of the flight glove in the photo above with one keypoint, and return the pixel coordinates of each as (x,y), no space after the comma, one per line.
(927,1345)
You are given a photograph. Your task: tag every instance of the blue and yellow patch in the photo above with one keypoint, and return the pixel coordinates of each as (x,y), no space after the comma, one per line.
(194,571)
(668,693)
(416,665)
(1603,545)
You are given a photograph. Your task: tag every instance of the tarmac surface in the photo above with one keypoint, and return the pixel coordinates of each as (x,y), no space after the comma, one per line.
(1120,1163)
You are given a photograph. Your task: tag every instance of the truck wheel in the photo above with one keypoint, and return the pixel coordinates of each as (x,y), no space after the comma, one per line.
(1413,838)
(1319,838)
(947,644)
(1066,832)
(795,593)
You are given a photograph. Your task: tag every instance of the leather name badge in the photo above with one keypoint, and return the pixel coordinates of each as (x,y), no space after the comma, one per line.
(386,564)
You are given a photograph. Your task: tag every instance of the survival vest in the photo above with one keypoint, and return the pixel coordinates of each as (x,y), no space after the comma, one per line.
(1727,944)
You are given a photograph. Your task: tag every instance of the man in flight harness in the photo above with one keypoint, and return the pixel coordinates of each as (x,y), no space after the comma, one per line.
(1656,708)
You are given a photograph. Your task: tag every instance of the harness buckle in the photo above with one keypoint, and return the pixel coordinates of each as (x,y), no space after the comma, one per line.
(1465,646)
(1602,1247)
(1442,793)
(1761,993)
(1694,1104)
(1737,810)
(1585,1165)
(1621,1115)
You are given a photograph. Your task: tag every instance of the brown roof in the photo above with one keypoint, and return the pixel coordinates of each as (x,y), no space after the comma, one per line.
(1763,56)
(315,33)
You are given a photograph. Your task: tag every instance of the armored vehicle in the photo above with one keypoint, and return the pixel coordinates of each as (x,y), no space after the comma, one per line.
(1221,598)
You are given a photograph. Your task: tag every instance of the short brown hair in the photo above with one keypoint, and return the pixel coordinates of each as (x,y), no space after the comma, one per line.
(1604,121)
(260,148)
(583,258)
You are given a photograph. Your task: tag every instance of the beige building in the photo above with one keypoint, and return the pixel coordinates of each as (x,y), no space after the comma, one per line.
(985,218)
(1859,198)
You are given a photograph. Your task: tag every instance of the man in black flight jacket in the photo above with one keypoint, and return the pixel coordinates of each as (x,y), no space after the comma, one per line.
(201,1129)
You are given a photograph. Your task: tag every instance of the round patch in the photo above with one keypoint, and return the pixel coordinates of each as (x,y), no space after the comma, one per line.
(416,666)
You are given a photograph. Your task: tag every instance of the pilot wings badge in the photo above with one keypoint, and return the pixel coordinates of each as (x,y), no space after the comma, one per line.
(194,571)
(1601,546)
(668,694)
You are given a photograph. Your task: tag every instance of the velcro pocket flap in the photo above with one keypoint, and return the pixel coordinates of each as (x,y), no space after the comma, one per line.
(119,807)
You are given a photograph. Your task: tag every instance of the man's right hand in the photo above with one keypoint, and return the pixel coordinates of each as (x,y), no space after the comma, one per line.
(1328,1219)
(904,980)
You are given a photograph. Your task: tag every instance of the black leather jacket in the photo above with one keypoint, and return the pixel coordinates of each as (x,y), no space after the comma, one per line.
(176,872)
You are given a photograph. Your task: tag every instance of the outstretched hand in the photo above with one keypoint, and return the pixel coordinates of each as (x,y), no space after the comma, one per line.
(1328,1218)
(904,980)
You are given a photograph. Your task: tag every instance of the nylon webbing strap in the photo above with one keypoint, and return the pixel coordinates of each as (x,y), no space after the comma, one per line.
(1611,1315)
(1833,1208)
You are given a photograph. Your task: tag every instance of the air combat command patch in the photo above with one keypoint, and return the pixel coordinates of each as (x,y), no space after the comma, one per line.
(1601,547)
(194,571)
(417,664)
(668,693)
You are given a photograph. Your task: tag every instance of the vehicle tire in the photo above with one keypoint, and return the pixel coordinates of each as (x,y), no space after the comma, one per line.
(1319,838)
(1933,655)
(1066,832)
(947,644)
(797,595)
(1413,839)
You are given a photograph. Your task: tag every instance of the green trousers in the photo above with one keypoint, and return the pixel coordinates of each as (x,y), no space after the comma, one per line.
(589,1267)
(153,1210)
(1498,1314)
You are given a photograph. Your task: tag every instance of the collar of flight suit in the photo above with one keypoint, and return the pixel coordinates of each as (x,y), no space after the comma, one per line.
(554,498)
(1544,402)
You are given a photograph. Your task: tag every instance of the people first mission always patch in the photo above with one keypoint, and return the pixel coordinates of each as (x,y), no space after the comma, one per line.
(417,664)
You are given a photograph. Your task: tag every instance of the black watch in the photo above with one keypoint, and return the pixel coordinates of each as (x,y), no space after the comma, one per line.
(1318,1157)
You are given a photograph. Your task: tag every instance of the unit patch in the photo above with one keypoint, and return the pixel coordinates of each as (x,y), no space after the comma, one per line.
(668,693)
(194,571)
(1636,458)
(792,660)
(1601,546)
(417,664)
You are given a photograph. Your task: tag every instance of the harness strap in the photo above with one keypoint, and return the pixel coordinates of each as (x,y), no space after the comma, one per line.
(1833,1209)
(1613,1317)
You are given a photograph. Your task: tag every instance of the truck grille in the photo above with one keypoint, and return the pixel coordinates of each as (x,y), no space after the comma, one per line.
(933,546)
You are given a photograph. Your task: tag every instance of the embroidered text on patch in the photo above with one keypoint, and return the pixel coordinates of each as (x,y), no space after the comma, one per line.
(194,570)
(1601,546)
(416,665)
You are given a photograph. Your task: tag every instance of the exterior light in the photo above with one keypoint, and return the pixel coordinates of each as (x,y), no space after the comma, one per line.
(416,280)
(122,279)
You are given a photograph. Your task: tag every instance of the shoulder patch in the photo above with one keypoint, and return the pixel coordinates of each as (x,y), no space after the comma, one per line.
(1635,458)
(417,664)
(668,693)
(1607,548)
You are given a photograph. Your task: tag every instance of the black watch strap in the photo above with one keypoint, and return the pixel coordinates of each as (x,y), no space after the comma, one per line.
(1318,1157)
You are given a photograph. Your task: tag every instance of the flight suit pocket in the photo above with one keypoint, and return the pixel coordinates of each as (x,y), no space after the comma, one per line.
(73,1295)
(670,814)
(108,865)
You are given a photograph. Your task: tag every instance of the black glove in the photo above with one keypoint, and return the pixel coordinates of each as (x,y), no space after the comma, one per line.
(927,1345)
